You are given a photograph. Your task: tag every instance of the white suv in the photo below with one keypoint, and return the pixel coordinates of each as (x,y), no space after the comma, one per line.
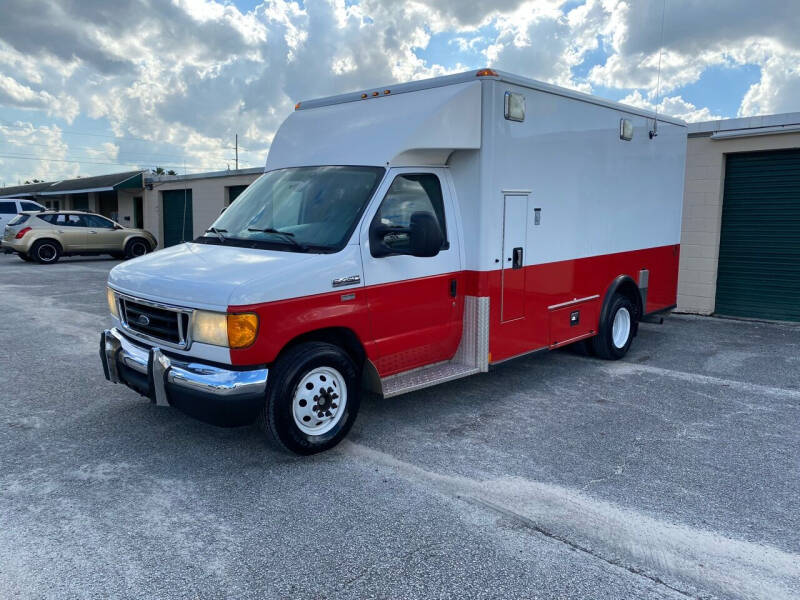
(11,207)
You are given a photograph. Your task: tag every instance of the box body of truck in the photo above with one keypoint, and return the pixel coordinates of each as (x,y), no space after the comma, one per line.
(555,218)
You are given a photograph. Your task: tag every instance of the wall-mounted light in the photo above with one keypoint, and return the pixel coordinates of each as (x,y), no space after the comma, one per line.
(514,106)
(626,129)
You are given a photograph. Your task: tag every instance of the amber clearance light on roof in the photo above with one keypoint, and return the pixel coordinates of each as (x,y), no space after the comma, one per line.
(486,73)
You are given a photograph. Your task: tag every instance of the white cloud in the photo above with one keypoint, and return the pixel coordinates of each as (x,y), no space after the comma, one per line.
(190,74)
(673,106)
(778,90)
(29,152)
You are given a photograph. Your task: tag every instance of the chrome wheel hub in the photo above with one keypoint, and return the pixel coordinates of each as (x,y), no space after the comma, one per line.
(621,329)
(319,401)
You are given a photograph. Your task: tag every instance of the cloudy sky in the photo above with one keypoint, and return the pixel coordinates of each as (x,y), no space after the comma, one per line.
(98,86)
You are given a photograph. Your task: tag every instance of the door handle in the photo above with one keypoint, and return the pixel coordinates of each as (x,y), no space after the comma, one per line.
(453,288)
(517,263)
(93,233)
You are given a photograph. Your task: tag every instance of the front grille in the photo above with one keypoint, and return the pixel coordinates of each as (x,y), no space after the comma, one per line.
(155,322)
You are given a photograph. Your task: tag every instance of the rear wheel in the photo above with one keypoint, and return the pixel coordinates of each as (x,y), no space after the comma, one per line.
(616,333)
(312,400)
(136,247)
(45,252)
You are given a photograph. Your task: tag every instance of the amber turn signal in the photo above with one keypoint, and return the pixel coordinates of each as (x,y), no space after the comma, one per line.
(242,330)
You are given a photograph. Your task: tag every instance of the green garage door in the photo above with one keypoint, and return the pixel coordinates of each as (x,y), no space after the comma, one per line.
(177,216)
(759,249)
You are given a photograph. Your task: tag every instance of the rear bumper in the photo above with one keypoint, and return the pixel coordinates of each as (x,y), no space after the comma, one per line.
(213,394)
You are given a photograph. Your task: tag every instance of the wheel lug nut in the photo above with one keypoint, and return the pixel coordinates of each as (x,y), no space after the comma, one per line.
(327,413)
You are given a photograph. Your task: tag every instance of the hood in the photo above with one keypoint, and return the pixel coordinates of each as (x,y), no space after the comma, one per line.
(201,275)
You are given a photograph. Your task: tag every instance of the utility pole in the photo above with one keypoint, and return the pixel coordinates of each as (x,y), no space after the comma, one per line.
(237,151)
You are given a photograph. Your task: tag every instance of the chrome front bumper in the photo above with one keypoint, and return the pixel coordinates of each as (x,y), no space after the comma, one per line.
(169,378)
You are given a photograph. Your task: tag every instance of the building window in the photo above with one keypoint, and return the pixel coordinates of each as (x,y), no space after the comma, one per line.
(233,193)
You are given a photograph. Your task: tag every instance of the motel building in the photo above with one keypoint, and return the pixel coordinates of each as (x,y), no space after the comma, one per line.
(740,241)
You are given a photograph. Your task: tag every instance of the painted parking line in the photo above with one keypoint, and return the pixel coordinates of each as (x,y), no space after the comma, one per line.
(623,369)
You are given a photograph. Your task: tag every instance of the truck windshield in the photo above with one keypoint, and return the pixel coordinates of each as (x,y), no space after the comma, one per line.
(300,209)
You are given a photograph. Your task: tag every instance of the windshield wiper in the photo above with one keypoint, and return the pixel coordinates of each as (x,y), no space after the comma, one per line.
(218,232)
(289,235)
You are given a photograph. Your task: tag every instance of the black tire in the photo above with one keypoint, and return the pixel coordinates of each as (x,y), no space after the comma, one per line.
(46,252)
(137,247)
(603,343)
(277,417)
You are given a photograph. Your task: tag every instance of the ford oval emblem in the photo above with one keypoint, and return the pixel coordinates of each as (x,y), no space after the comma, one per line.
(143,320)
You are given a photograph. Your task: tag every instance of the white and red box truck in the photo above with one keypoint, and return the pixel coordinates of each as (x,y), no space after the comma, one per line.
(406,236)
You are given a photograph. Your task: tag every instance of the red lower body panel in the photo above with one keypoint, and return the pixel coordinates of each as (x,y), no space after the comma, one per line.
(551,284)
(408,324)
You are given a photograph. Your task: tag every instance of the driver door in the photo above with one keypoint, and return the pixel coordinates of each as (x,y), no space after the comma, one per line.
(101,233)
(415,303)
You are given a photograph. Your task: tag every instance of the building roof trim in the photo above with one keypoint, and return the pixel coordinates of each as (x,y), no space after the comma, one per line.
(778,123)
(85,191)
(208,175)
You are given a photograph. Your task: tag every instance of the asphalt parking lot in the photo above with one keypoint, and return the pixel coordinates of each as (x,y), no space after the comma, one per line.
(674,473)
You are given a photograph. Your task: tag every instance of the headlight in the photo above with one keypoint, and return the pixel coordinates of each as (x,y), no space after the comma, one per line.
(221,329)
(112,302)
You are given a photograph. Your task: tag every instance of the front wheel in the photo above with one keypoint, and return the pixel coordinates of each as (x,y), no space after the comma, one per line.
(313,396)
(616,333)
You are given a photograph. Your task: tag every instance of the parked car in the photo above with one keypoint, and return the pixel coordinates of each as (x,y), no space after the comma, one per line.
(11,207)
(46,236)
(403,237)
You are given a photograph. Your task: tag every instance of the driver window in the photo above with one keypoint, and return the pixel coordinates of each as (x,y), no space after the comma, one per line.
(410,193)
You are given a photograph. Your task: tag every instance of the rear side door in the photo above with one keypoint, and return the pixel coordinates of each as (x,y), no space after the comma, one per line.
(415,303)
(71,231)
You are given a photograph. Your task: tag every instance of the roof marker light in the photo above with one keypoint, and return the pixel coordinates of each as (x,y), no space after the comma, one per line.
(486,73)
(363,96)
(297,106)
(387,92)
(374,94)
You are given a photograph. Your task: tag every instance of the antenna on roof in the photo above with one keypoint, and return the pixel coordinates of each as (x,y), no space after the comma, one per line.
(654,131)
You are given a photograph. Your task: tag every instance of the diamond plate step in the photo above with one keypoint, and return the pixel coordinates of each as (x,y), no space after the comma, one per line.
(402,383)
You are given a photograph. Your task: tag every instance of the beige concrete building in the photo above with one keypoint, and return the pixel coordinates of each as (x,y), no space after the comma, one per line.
(180,208)
(740,244)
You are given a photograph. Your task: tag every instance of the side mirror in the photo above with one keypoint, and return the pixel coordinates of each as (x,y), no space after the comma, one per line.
(426,235)
(118,226)
(423,234)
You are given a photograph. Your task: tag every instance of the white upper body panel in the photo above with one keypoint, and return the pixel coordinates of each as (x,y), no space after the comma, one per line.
(413,128)
(597,194)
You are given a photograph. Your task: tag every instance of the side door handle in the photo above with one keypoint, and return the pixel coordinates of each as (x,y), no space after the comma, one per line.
(92,233)
(517,264)
(453,288)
